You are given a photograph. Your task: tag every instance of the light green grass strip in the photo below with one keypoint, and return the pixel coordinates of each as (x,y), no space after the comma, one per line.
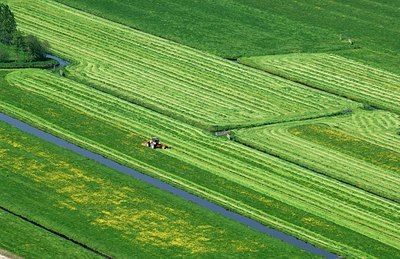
(336,75)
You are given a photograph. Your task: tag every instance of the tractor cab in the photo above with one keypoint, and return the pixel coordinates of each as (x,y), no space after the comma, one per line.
(154,143)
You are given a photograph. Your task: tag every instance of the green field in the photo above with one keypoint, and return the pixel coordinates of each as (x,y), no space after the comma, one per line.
(107,211)
(237,28)
(336,75)
(360,149)
(172,79)
(231,174)
(331,177)
(225,28)
(26,240)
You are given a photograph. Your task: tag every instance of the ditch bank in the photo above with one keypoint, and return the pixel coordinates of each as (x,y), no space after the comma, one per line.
(167,187)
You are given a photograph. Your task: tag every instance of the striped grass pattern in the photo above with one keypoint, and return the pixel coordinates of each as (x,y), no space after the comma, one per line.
(372,162)
(169,78)
(353,208)
(337,75)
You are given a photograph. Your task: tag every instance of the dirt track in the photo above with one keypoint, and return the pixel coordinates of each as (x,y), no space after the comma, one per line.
(7,255)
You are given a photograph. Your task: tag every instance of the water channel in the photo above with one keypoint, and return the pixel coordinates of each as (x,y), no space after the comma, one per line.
(167,187)
(62,63)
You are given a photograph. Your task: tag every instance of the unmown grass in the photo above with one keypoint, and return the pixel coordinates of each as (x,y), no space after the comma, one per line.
(230,29)
(23,239)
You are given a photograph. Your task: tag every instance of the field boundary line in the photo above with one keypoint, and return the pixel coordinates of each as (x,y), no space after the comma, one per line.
(327,115)
(36,224)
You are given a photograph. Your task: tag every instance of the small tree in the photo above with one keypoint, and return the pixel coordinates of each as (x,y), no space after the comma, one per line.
(19,43)
(35,48)
(8,26)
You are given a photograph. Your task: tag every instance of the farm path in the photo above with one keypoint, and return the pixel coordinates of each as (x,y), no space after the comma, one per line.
(7,255)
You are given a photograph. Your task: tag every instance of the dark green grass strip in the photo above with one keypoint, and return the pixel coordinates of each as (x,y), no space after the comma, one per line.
(33,64)
(66,238)
(227,28)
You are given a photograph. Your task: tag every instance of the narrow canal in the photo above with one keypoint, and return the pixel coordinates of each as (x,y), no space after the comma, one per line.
(169,188)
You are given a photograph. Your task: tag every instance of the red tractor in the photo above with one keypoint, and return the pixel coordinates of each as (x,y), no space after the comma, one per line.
(155,143)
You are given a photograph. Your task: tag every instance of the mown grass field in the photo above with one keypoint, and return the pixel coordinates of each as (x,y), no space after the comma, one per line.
(318,209)
(108,211)
(128,86)
(361,149)
(237,28)
(172,79)
(336,75)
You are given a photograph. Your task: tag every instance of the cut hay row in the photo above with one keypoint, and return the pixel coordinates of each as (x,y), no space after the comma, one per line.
(345,79)
(169,68)
(338,75)
(377,128)
(169,78)
(345,205)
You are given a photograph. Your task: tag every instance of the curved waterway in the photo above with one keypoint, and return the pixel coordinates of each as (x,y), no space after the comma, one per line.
(167,187)
(62,62)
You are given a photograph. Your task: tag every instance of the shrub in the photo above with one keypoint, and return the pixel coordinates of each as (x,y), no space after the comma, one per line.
(4,55)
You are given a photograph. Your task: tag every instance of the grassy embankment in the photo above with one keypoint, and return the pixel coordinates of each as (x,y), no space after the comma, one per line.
(336,75)
(106,210)
(192,86)
(243,28)
(360,149)
(274,192)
